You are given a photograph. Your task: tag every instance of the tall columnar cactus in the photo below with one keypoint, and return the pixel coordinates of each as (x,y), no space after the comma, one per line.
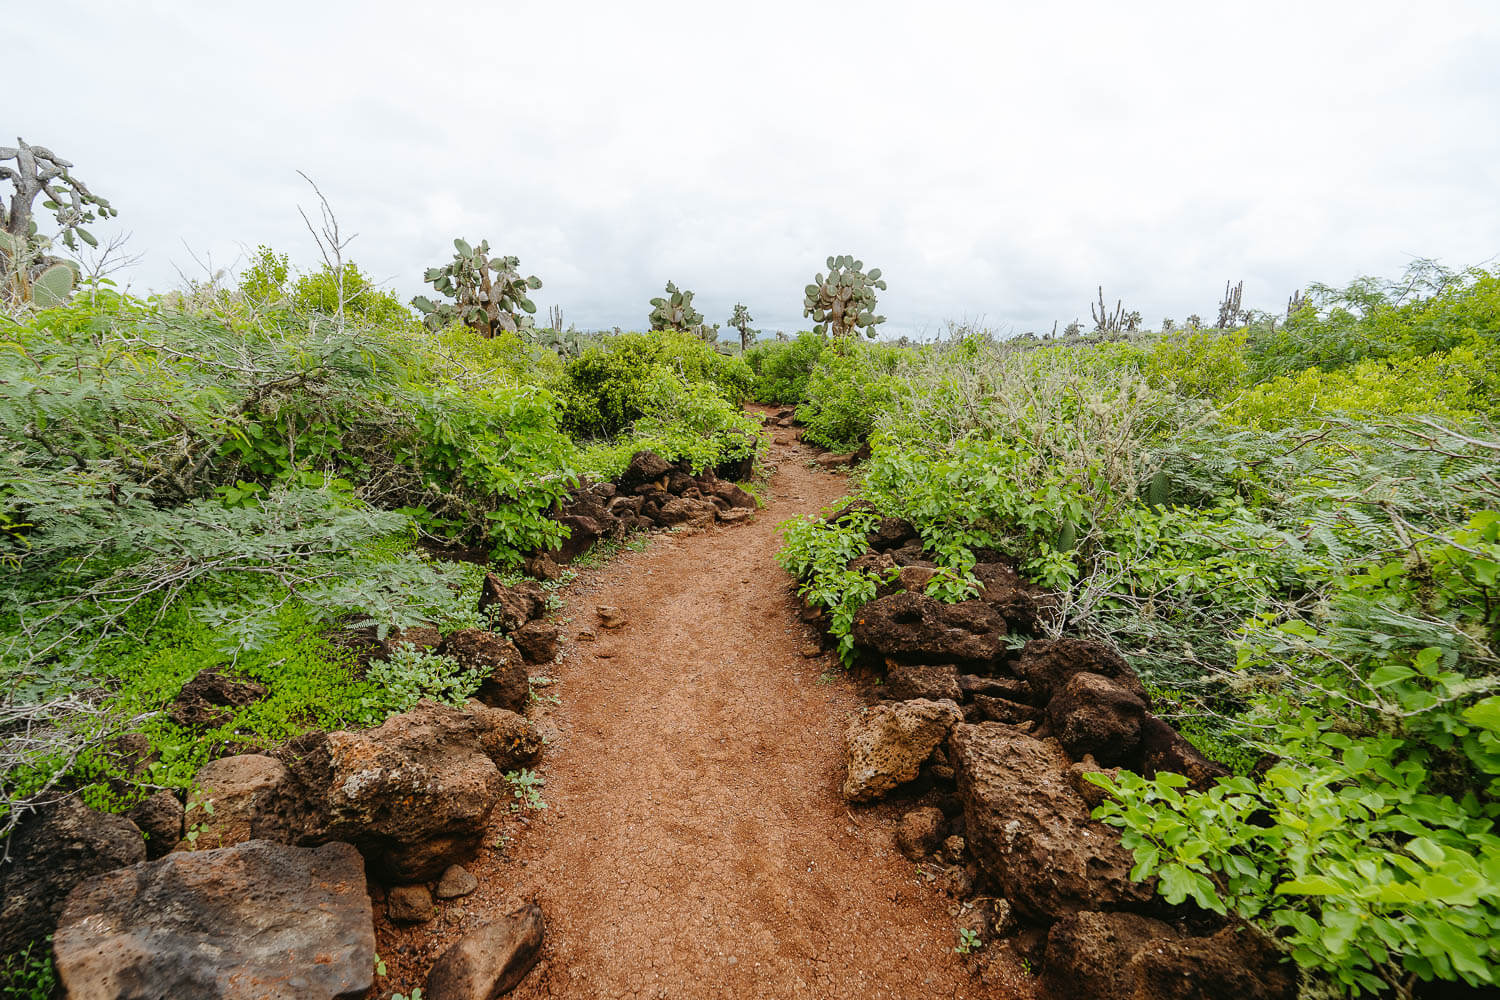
(674,311)
(490,295)
(27,272)
(844,301)
(740,319)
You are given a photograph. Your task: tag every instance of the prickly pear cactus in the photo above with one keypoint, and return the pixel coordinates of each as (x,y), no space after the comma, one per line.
(674,311)
(54,286)
(490,295)
(844,300)
(566,344)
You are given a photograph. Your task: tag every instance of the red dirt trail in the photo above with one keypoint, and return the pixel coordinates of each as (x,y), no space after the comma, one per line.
(695,843)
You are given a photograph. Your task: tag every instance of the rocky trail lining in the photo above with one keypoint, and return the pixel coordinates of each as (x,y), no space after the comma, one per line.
(695,843)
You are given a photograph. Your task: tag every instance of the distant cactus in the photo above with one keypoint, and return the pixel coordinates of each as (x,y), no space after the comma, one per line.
(486,304)
(566,344)
(740,319)
(1230,313)
(27,272)
(674,311)
(1294,303)
(844,301)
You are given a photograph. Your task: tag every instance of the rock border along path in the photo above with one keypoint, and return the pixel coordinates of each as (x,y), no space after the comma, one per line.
(695,843)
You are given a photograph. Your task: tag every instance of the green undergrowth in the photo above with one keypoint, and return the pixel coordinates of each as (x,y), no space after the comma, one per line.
(1292,531)
(236,478)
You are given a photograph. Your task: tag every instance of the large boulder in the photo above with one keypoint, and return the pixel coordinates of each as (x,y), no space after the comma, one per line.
(1017,601)
(489,961)
(582,533)
(887,746)
(511,607)
(904,682)
(644,467)
(1046,665)
(1092,714)
(414,795)
(687,510)
(508,739)
(51,851)
(506,682)
(257,921)
(1088,954)
(891,533)
(537,641)
(1125,956)
(1031,832)
(235,799)
(1234,962)
(159,816)
(914,628)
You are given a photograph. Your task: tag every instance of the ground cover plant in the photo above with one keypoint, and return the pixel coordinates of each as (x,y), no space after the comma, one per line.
(1290,528)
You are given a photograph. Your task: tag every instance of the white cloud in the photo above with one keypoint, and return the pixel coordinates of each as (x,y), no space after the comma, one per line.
(996,160)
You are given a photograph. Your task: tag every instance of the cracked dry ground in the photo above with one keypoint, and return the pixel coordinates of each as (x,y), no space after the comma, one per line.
(695,843)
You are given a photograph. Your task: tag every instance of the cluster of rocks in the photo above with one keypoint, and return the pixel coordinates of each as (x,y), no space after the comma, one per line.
(257,887)
(651,493)
(994,730)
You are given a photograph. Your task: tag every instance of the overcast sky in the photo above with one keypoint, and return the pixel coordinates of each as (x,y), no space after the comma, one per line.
(996,160)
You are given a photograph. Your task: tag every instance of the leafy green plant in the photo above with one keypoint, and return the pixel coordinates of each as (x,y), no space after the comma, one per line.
(968,941)
(526,788)
(490,295)
(851,386)
(782,369)
(29,974)
(408,675)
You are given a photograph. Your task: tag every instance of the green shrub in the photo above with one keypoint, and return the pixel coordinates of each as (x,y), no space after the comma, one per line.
(851,386)
(684,420)
(410,674)
(782,368)
(604,390)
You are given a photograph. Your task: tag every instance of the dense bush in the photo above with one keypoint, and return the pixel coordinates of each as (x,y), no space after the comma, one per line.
(1292,534)
(781,368)
(847,391)
(233,479)
(604,390)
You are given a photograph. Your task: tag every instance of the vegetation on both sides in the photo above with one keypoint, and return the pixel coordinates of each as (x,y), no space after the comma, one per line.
(1291,527)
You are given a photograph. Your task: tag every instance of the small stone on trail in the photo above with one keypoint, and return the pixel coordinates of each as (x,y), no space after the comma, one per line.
(811,650)
(918,833)
(585,635)
(409,904)
(611,617)
(490,961)
(456,881)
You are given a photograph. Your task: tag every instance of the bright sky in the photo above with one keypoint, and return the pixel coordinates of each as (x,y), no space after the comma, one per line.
(996,160)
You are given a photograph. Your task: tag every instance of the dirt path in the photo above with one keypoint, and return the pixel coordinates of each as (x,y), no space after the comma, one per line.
(695,843)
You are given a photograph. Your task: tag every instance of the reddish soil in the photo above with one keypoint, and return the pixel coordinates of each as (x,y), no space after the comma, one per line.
(695,843)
